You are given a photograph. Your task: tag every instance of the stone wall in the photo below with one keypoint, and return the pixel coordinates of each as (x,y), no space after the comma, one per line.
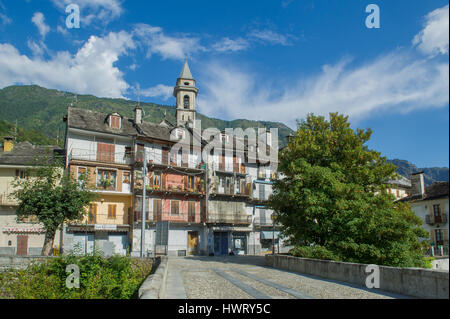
(19,262)
(416,282)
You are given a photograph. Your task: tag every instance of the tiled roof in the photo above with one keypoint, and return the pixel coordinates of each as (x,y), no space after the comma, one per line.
(401,181)
(98,122)
(26,153)
(435,191)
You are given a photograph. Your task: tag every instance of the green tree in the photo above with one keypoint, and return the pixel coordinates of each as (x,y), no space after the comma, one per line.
(51,197)
(332,201)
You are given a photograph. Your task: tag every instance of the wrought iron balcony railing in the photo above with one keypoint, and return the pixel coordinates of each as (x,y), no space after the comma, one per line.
(229,219)
(431,220)
(102,157)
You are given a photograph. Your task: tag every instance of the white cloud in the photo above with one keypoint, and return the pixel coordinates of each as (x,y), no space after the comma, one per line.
(270,36)
(39,21)
(162,91)
(169,47)
(433,39)
(37,48)
(392,83)
(90,71)
(4,19)
(94,11)
(227,44)
(62,30)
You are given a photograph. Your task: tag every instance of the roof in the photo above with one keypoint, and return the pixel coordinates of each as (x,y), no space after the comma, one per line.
(435,191)
(401,182)
(98,122)
(25,153)
(186,72)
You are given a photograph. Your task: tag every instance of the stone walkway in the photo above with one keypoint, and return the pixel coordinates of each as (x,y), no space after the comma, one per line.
(246,277)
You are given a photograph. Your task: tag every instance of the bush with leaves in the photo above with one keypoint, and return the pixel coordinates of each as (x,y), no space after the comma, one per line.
(116,277)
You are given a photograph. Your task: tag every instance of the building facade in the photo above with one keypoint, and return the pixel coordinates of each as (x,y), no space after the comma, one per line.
(432,206)
(20,237)
(194,203)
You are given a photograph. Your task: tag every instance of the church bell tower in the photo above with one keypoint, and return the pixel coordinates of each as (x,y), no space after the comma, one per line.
(186,93)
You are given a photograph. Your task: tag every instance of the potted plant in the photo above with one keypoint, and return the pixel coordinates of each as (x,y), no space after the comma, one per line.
(106,183)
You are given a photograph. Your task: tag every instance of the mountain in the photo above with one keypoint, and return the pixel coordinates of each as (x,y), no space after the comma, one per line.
(32,136)
(39,113)
(431,174)
(39,109)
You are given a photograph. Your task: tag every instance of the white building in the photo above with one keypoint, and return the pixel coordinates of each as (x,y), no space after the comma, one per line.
(431,205)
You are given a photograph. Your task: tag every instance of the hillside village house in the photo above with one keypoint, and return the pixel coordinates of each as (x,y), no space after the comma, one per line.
(400,187)
(431,205)
(192,207)
(20,237)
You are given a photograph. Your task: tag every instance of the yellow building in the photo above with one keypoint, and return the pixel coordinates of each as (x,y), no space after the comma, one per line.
(19,237)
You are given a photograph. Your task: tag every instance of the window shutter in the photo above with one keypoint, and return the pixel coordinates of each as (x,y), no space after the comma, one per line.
(432,236)
(445,231)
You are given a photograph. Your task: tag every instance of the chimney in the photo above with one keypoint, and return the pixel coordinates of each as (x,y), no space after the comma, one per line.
(268,137)
(8,143)
(417,184)
(138,115)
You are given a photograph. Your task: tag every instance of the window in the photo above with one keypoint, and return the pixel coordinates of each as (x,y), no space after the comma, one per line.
(126,179)
(106,179)
(112,211)
(106,152)
(127,153)
(437,210)
(115,121)
(190,182)
(262,193)
(157,209)
(186,83)
(21,174)
(156,179)
(174,207)
(439,236)
(82,174)
(92,219)
(186,102)
(191,212)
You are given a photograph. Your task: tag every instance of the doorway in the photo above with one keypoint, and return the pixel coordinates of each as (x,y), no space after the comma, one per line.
(192,243)
(220,243)
(22,245)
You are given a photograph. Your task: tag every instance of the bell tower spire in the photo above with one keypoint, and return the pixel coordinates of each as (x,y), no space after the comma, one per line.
(186,94)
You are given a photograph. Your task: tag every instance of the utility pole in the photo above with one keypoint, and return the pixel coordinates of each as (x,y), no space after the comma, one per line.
(144,198)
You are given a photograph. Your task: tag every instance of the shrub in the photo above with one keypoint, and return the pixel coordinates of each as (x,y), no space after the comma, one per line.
(116,277)
(316,252)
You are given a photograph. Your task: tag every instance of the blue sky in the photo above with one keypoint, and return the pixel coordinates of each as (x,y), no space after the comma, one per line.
(265,60)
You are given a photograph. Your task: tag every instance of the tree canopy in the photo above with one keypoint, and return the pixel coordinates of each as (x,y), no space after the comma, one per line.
(332,199)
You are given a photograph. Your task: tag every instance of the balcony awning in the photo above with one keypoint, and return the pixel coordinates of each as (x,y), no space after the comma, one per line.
(267,234)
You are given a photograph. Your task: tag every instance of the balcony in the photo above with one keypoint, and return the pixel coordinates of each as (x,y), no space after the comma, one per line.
(239,219)
(263,223)
(6,200)
(196,189)
(228,188)
(431,220)
(101,157)
(152,218)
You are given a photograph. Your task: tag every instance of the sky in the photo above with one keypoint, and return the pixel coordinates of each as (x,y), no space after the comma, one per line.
(266,60)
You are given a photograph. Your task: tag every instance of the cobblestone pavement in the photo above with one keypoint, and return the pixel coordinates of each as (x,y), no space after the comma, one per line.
(246,277)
